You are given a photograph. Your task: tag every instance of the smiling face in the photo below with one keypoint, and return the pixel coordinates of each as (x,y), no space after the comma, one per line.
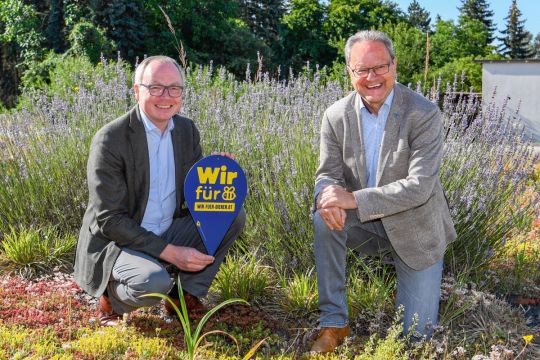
(159,109)
(374,89)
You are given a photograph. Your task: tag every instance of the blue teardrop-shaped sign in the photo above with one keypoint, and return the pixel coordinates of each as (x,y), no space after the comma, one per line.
(215,189)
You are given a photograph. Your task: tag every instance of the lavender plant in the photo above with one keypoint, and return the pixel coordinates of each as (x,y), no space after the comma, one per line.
(273,128)
(44,147)
(486,166)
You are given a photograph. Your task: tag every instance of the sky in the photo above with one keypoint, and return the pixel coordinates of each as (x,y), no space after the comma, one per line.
(530,11)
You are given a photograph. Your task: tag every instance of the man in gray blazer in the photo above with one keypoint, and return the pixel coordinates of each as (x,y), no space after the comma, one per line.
(377,190)
(136,225)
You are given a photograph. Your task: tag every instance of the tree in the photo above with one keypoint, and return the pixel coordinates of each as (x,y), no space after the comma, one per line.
(514,39)
(409,48)
(346,17)
(302,34)
(262,17)
(418,16)
(450,41)
(88,40)
(209,30)
(125,25)
(21,43)
(536,46)
(55,23)
(478,10)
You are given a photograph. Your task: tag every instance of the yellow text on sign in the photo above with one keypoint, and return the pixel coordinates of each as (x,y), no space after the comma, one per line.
(215,206)
(210,175)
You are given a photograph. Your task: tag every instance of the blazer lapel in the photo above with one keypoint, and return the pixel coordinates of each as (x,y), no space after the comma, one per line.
(141,161)
(356,139)
(178,164)
(391,133)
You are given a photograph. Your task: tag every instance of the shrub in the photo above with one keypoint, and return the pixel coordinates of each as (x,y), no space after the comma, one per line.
(44,148)
(273,128)
(90,41)
(370,287)
(31,251)
(299,293)
(242,277)
(486,166)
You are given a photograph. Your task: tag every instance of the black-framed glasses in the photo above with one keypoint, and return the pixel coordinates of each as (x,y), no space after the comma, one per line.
(158,90)
(364,72)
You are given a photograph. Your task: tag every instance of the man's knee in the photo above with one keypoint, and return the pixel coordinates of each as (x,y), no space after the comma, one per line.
(158,281)
(318,223)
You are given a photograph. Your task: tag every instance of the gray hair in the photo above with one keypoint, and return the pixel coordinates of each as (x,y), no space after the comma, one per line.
(139,71)
(368,35)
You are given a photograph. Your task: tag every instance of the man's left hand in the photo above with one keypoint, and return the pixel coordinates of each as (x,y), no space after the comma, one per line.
(335,195)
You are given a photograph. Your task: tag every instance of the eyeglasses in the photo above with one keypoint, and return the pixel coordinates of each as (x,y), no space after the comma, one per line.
(364,72)
(158,90)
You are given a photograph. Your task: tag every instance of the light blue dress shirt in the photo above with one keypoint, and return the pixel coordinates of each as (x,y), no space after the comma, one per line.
(162,196)
(372,131)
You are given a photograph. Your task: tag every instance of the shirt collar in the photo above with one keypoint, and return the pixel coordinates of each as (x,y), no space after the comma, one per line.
(149,126)
(386,105)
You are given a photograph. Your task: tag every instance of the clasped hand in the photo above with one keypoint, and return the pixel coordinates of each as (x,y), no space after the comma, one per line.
(332,202)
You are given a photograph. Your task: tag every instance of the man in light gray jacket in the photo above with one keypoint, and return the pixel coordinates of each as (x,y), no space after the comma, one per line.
(377,190)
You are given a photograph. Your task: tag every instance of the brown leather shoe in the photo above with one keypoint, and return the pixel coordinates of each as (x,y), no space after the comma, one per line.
(195,308)
(107,317)
(329,338)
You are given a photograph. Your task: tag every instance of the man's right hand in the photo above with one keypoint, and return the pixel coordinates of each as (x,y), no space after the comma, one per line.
(186,258)
(334,217)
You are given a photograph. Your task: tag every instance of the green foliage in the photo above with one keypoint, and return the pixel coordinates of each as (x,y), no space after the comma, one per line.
(192,340)
(17,342)
(302,33)
(409,49)
(464,71)
(370,287)
(479,10)
(201,26)
(346,17)
(242,277)
(38,76)
(299,293)
(451,41)
(391,347)
(125,25)
(514,39)
(20,27)
(53,31)
(31,251)
(88,40)
(116,342)
(262,18)
(418,17)
(43,143)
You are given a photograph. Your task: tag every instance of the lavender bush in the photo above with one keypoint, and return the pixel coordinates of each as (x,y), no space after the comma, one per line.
(273,128)
(486,167)
(44,147)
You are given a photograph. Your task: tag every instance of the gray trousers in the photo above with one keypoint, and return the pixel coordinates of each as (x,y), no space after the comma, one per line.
(135,273)
(417,291)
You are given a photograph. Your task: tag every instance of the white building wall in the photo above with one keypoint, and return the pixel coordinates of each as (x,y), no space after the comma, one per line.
(520,81)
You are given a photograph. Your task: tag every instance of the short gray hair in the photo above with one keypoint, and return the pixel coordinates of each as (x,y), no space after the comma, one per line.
(139,71)
(368,35)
